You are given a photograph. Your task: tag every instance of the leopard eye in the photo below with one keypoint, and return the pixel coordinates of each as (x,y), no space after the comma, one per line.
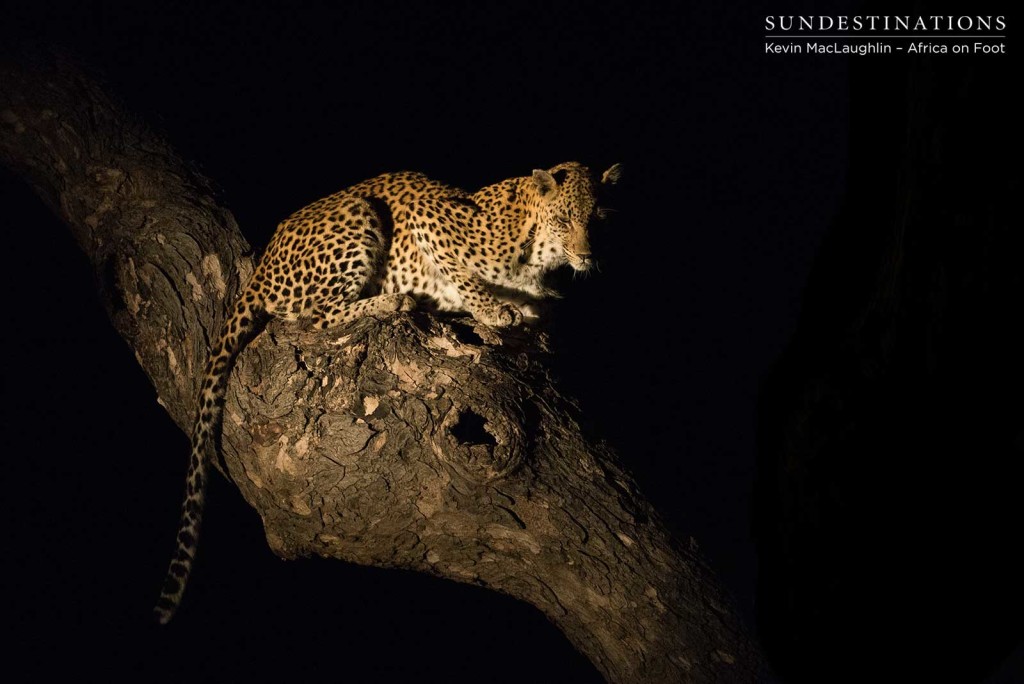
(563,219)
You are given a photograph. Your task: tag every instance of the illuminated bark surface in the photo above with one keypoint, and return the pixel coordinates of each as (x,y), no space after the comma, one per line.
(415,442)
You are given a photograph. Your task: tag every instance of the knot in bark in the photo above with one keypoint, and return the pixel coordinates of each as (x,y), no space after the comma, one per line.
(482,442)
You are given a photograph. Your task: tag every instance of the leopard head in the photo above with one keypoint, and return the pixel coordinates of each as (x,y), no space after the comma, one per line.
(568,203)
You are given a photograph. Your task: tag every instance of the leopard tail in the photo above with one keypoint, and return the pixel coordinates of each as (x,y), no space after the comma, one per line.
(245,322)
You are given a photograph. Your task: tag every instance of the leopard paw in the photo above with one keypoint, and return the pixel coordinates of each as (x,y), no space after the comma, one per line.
(406,303)
(509,315)
(501,316)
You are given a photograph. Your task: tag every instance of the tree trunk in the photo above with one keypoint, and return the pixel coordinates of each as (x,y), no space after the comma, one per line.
(418,442)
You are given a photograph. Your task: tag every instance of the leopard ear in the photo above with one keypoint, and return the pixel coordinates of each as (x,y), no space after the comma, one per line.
(612,175)
(545,183)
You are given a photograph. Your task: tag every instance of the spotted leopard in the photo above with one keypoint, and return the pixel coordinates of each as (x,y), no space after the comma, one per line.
(376,248)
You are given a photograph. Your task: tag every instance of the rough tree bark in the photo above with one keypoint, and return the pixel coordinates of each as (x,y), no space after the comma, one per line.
(413,442)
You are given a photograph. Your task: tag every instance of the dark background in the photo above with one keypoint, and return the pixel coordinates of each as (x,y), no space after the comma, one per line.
(736,164)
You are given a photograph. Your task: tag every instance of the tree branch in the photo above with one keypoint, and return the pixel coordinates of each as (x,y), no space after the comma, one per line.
(417,442)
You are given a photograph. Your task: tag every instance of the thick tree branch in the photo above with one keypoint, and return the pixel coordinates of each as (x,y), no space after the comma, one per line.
(413,442)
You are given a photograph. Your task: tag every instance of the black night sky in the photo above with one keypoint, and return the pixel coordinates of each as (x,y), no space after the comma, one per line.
(737,164)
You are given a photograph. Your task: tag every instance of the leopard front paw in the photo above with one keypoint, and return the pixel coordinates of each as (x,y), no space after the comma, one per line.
(406,303)
(509,315)
(394,303)
(501,316)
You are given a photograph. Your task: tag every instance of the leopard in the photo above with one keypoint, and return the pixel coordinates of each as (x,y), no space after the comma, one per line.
(382,247)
